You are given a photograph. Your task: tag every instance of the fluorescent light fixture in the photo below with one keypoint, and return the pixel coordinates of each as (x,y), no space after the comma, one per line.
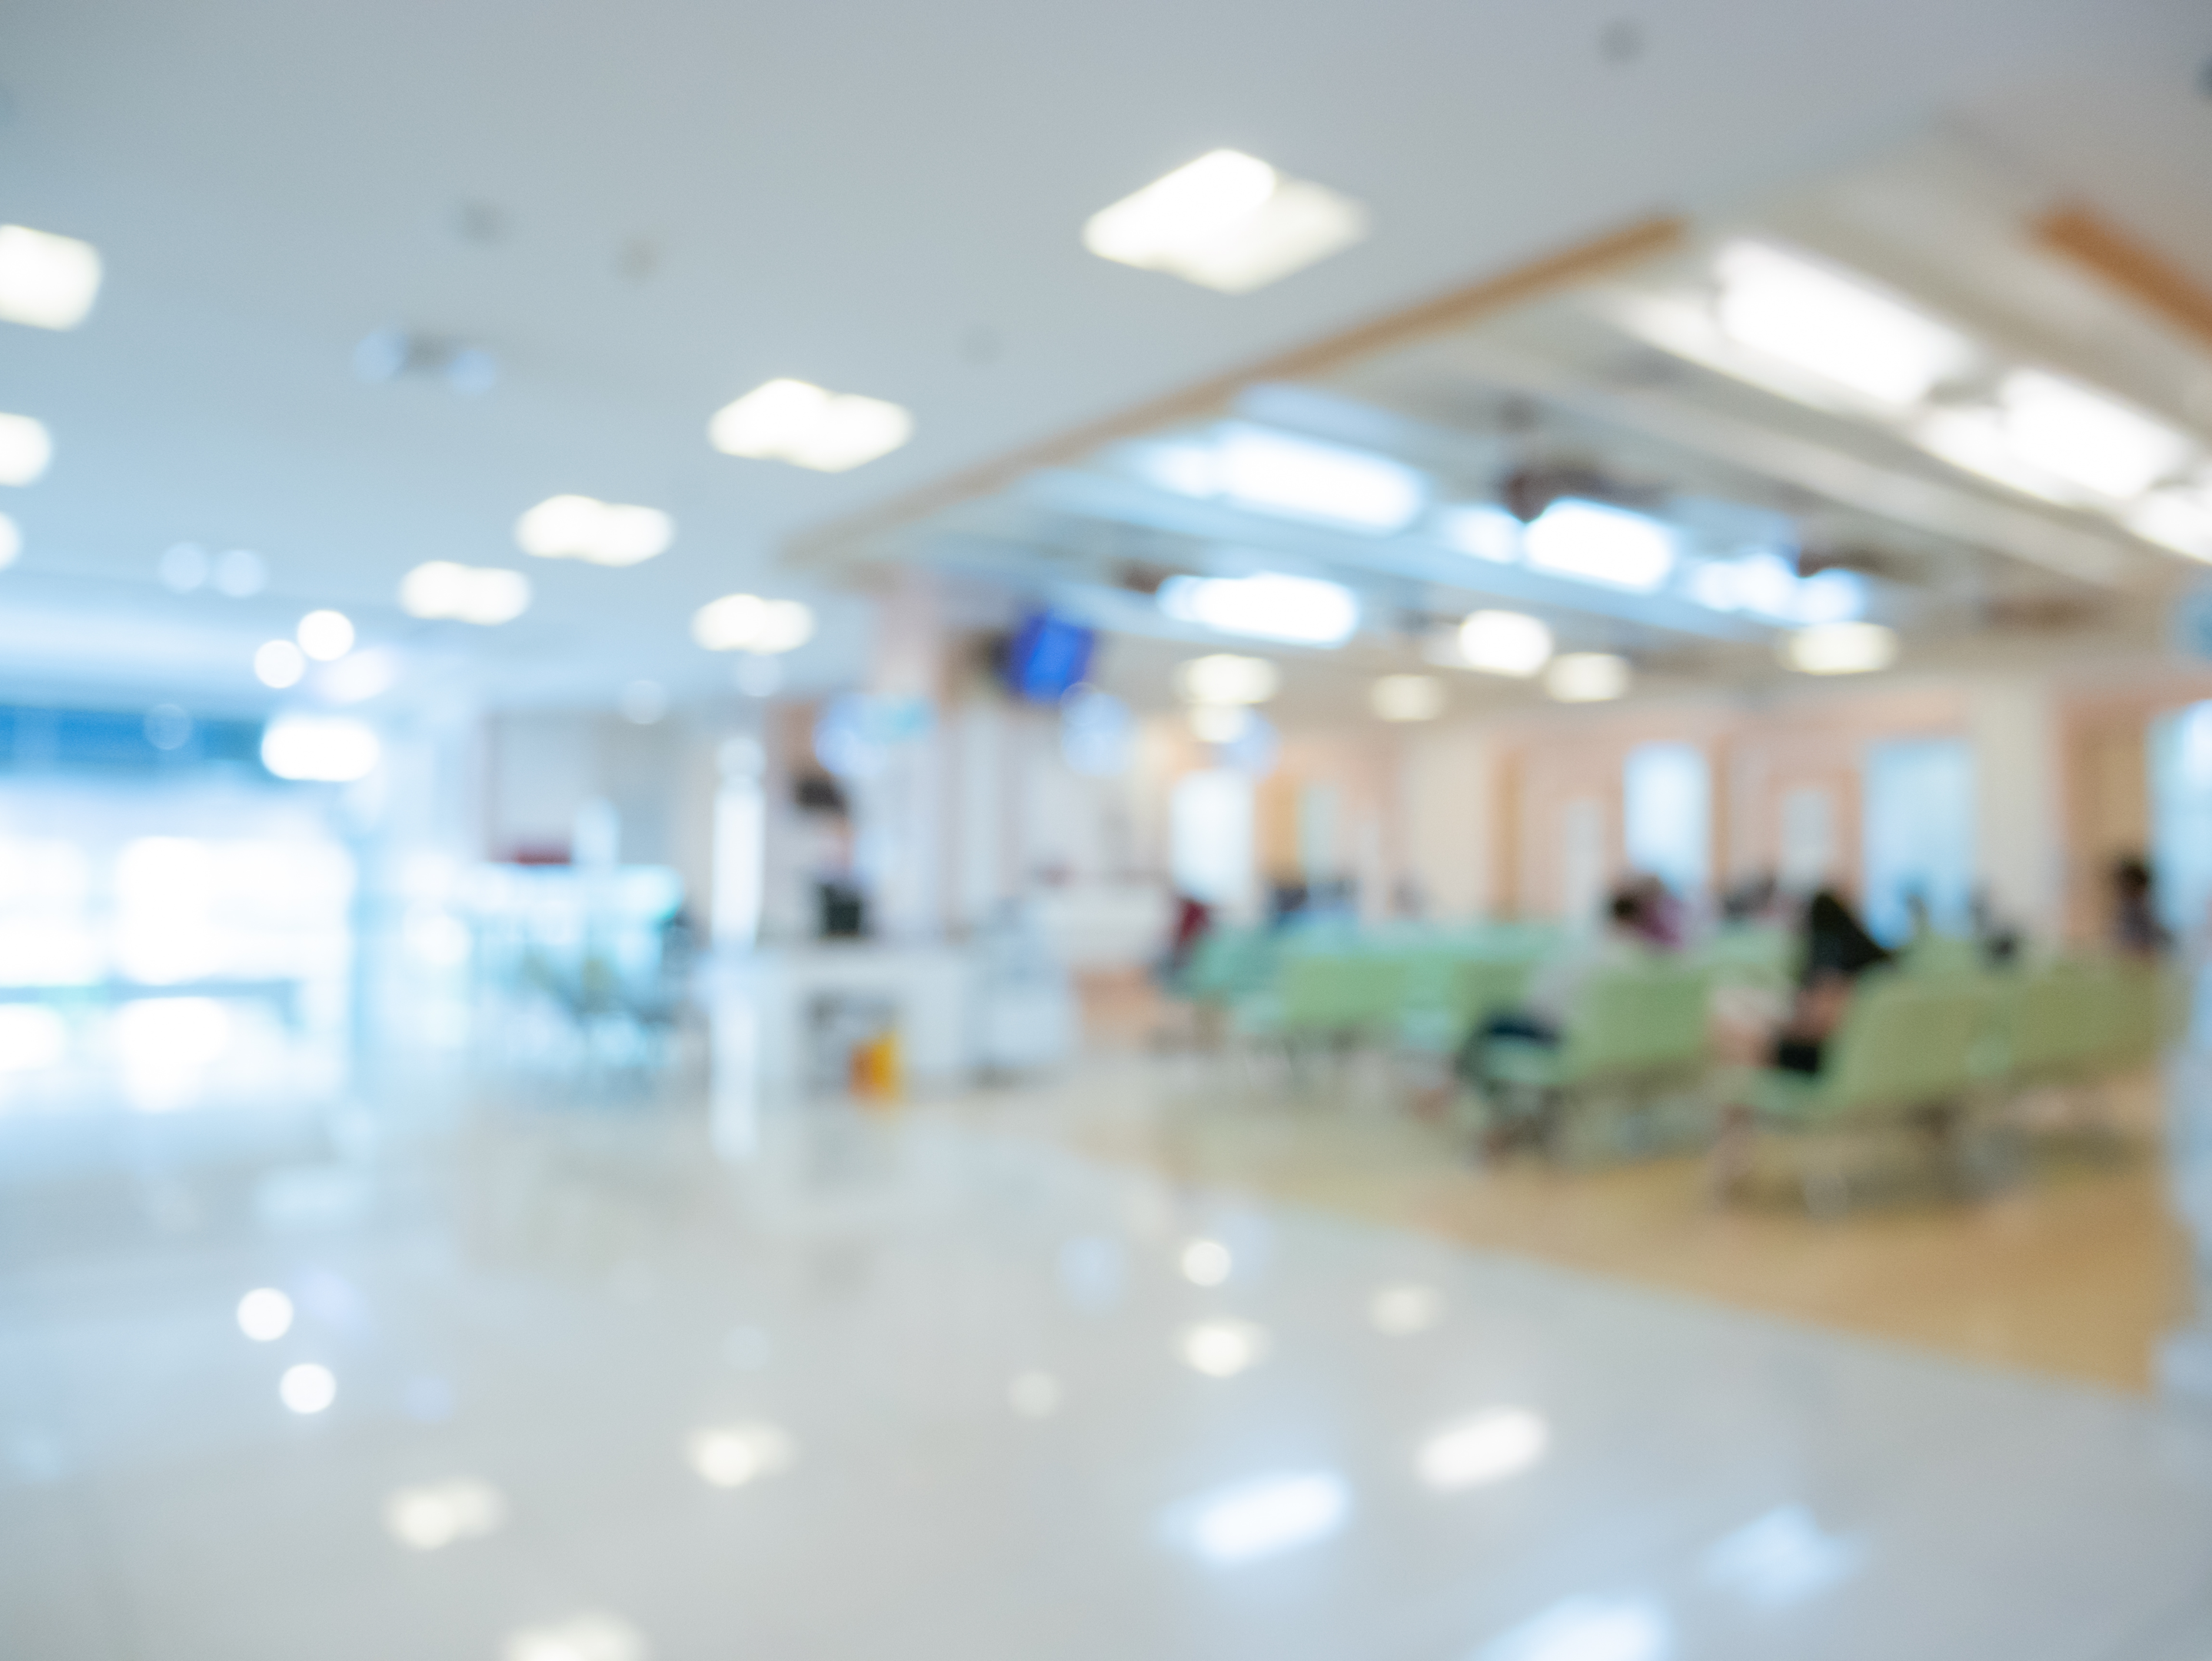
(1277,473)
(1222,1350)
(325,636)
(747,622)
(1257,1519)
(1588,1628)
(1504,644)
(265,1315)
(598,533)
(1224,677)
(2085,437)
(1840,648)
(279,664)
(799,422)
(1767,585)
(1407,697)
(26,448)
(585,1638)
(1485,1448)
(11,542)
(319,749)
(734,1455)
(307,1388)
(1489,533)
(1599,544)
(2179,519)
(1219,723)
(1226,221)
(1588,677)
(1831,326)
(1206,1262)
(1401,1310)
(437,1514)
(484,595)
(1302,610)
(46,281)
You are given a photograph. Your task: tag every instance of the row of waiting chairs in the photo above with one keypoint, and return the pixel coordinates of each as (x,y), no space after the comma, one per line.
(1935,1035)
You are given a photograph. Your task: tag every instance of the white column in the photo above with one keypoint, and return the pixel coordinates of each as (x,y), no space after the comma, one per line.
(2019,856)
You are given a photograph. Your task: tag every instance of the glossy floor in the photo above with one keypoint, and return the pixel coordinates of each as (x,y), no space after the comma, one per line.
(925,1388)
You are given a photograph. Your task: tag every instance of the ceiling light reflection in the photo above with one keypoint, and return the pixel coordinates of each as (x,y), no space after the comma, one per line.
(325,636)
(486,596)
(731,1456)
(1840,648)
(25,449)
(1260,1518)
(1222,1350)
(265,1315)
(1401,1310)
(1598,542)
(319,749)
(1487,1448)
(1206,1262)
(1588,1629)
(307,1388)
(1303,611)
(279,664)
(1587,678)
(428,1518)
(46,281)
(585,1638)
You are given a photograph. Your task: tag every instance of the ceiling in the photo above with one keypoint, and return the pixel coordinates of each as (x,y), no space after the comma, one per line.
(644,211)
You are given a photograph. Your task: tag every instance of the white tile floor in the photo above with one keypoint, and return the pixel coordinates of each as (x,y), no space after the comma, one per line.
(946,1384)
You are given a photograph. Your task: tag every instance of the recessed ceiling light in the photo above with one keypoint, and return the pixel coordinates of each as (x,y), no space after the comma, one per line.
(1407,697)
(2086,438)
(799,422)
(1224,677)
(325,636)
(2179,519)
(280,664)
(319,749)
(1226,221)
(1219,723)
(586,1638)
(1484,531)
(747,622)
(438,1514)
(1504,644)
(1601,543)
(1835,326)
(1258,1520)
(1485,1448)
(484,595)
(1302,610)
(1587,676)
(46,281)
(26,448)
(598,533)
(265,1315)
(734,1455)
(307,1388)
(1840,648)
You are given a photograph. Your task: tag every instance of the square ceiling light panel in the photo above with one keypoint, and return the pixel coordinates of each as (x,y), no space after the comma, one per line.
(1226,221)
(1833,325)
(799,422)
(46,281)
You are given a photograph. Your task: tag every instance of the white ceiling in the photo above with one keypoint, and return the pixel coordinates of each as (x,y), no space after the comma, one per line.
(882,198)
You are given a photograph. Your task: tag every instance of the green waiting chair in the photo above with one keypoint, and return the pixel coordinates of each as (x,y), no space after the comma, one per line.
(1634,1034)
(1909,1050)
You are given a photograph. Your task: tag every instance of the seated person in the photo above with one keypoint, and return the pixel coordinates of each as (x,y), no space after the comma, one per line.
(1838,951)
(1558,984)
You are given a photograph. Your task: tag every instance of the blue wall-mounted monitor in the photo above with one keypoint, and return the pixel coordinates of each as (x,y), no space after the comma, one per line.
(1047,657)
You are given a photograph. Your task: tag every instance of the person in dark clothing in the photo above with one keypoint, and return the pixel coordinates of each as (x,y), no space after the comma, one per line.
(1838,951)
(2137,931)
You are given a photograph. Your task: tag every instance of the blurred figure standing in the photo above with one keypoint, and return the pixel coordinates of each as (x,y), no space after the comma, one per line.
(2137,931)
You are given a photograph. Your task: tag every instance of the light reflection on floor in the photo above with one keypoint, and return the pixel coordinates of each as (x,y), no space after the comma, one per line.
(909,1385)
